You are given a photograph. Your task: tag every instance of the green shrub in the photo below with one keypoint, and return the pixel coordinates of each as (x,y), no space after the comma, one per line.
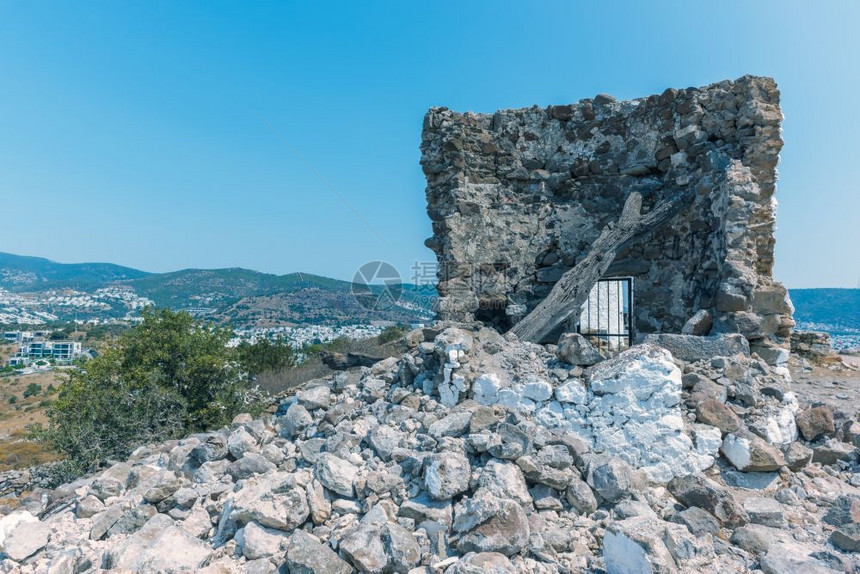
(264,355)
(339,345)
(13,399)
(163,378)
(32,390)
(390,334)
(61,334)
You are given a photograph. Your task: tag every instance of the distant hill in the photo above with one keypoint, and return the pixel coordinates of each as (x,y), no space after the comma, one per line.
(237,296)
(170,289)
(836,307)
(245,297)
(21,274)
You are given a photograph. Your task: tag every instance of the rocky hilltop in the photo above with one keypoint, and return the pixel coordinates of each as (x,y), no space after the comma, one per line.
(475,452)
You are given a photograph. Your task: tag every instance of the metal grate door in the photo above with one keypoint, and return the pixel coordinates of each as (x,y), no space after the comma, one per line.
(606,317)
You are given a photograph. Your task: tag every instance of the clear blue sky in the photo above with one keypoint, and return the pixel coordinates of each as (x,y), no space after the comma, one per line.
(129,130)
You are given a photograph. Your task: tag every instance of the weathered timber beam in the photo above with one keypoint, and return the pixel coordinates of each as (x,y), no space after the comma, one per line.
(571,291)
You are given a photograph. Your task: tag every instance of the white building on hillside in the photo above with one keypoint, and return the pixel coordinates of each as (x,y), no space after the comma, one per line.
(61,351)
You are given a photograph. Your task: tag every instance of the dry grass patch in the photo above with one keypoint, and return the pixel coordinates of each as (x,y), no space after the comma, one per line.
(17,453)
(19,412)
(275,383)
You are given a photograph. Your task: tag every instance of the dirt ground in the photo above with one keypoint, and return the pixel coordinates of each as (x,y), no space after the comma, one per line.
(839,389)
(853,360)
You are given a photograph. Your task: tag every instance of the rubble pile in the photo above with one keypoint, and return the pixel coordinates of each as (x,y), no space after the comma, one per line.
(474,452)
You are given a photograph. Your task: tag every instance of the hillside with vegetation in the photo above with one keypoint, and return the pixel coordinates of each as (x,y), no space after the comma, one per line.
(162,378)
(212,285)
(20,273)
(38,290)
(831,306)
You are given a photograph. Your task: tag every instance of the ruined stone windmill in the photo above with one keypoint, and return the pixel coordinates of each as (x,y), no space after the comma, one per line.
(532,207)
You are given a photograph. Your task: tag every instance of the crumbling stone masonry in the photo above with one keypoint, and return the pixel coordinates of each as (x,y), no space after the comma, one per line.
(517,197)
(815,347)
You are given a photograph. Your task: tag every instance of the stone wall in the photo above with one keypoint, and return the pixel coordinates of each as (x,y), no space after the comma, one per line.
(17,482)
(517,197)
(815,347)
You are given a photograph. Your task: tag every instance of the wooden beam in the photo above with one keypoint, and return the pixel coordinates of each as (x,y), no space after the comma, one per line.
(571,291)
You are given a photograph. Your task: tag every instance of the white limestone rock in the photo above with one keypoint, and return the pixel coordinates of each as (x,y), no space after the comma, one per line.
(749,453)
(537,390)
(25,539)
(776,423)
(240,441)
(634,413)
(504,480)
(258,542)
(270,501)
(630,409)
(573,391)
(485,389)
(446,475)
(451,345)
(336,474)
(451,388)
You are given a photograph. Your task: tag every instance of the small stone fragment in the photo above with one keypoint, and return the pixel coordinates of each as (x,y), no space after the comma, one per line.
(25,540)
(847,537)
(336,474)
(575,349)
(446,475)
(765,511)
(815,422)
(749,453)
(713,412)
